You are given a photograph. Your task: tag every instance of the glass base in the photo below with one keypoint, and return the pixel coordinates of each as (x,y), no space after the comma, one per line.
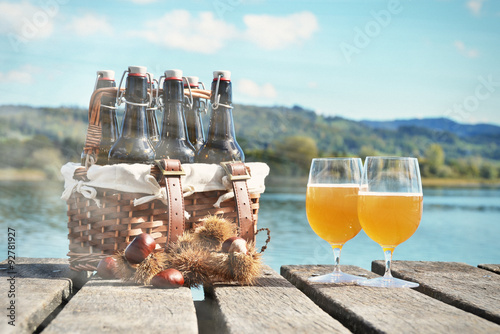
(388,282)
(336,277)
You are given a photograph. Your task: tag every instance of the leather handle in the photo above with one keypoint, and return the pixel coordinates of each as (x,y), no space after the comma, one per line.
(171,180)
(238,174)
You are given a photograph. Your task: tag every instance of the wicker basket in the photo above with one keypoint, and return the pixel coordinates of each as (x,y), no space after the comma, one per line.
(96,231)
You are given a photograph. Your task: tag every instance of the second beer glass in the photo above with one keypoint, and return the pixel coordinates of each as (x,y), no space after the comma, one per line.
(331,207)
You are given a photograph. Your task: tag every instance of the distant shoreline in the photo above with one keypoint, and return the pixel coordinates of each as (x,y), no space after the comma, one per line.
(285,182)
(435,182)
(12,174)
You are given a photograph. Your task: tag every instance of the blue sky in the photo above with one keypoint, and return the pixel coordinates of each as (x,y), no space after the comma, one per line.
(356,59)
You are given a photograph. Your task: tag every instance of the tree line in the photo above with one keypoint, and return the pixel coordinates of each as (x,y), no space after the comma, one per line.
(285,138)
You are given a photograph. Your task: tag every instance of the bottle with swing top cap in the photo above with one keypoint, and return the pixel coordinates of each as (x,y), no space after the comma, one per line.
(109,124)
(134,145)
(221,142)
(174,143)
(193,115)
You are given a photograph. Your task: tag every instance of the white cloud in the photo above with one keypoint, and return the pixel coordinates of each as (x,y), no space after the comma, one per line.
(467,52)
(205,33)
(23,75)
(25,20)
(475,6)
(91,24)
(275,32)
(252,89)
(178,29)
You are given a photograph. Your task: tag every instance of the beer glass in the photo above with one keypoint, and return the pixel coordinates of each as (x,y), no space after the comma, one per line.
(390,208)
(331,207)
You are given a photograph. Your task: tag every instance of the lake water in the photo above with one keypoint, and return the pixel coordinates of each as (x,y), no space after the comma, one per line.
(460,225)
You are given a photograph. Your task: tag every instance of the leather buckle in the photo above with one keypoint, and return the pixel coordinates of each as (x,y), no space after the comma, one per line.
(225,166)
(169,172)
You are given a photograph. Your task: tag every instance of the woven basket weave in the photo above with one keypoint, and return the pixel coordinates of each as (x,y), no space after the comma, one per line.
(96,232)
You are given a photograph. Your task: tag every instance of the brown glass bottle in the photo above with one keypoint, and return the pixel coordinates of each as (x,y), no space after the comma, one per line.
(109,124)
(221,142)
(134,146)
(193,117)
(153,128)
(174,143)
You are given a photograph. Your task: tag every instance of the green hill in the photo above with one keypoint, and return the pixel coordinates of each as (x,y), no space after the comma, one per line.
(286,138)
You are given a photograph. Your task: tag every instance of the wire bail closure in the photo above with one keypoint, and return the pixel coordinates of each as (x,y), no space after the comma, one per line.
(120,93)
(96,80)
(160,102)
(216,104)
(189,100)
(155,99)
(95,88)
(204,102)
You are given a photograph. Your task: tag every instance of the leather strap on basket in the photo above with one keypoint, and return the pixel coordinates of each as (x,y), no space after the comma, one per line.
(238,175)
(171,180)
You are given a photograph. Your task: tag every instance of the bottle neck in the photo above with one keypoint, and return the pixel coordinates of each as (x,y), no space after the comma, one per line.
(173,125)
(134,120)
(221,120)
(193,121)
(109,124)
(136,89)
(107,100)
(225,91)
(198,125)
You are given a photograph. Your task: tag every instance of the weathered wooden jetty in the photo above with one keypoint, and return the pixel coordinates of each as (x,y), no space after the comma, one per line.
(452,298)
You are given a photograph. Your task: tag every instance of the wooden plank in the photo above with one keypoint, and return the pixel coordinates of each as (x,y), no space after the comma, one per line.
(382,310)
(39,288)
(461,285)
(272,305)
(491,267)
(112,306)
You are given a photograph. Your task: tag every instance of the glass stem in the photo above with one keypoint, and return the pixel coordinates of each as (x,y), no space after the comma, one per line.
(388,260)
(336,255)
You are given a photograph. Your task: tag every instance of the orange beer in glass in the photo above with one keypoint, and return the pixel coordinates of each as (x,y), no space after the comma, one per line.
(390,218)
(332,211)
(390,203)
(331,207)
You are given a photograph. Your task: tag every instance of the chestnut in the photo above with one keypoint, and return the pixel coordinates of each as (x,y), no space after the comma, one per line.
(235,244)
(107,268)
(168,278)
(140,248)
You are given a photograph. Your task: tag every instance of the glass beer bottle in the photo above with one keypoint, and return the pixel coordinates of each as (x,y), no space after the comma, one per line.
(153,129)
(221,142)
(134,146)
(193,117)
(174,143)
(109,124)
